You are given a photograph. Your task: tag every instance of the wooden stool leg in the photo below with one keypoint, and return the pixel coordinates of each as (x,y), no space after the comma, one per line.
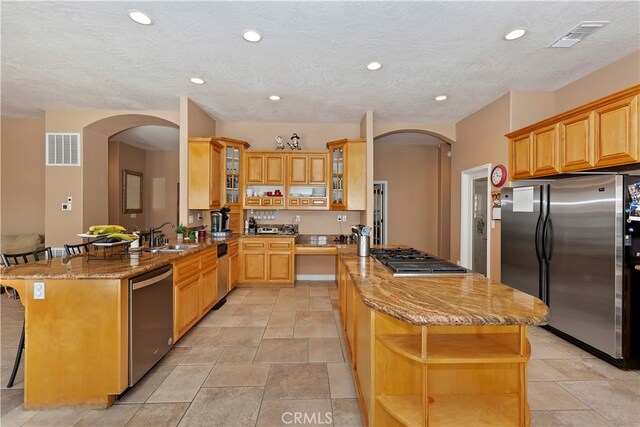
(16,364)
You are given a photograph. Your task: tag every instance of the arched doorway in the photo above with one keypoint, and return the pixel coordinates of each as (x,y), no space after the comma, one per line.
(415,165)
(95,189)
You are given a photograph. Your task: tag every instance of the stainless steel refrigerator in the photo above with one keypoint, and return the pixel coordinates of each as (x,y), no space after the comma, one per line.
(568,242)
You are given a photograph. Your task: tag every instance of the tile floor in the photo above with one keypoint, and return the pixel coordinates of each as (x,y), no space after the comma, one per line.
(270,352)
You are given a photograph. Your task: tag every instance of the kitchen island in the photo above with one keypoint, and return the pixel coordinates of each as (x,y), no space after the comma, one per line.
(433,351)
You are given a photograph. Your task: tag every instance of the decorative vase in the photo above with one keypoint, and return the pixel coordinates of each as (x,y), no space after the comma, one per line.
(179,237)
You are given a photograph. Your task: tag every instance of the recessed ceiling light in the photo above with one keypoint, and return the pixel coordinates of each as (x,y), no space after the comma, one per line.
(252,36)
(274,98)
(140,17)
(372,66)
(197,80)
(440,97)
(515,34)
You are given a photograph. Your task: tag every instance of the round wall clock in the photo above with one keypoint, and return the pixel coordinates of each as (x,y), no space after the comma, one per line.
(498,175)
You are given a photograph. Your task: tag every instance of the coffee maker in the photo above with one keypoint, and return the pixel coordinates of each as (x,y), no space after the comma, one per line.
(220,222)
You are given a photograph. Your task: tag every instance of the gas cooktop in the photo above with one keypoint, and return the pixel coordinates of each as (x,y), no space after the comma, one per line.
(403,262)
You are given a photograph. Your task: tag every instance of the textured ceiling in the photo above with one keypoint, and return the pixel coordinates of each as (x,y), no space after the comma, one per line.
(150,137)
(313,54)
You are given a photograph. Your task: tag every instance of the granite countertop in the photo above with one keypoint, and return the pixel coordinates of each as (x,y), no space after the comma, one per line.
(79,267)
(452,300)
(279,235)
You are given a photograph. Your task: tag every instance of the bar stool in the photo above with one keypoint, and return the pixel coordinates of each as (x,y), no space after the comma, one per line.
(15,259)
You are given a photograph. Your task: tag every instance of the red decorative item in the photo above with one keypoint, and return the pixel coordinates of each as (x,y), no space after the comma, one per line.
(498,175)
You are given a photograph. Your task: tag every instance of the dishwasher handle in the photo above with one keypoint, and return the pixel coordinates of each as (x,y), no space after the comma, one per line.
(150,281)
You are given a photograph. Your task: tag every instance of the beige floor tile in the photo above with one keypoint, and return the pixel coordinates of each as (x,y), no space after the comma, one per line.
(222,320)
(631,385)
(237,375)
(224,406)
(174,356)
(618,405)
(278,332)
(56,417)
(611,371)
(539,370)
(255,320)
(316,331)
(16,417)
(341,381)
(575,369)
(315,291)
(546,350)
(237,354)
(264,292)
(260,300)
(544,419)
(282,318)
(159,415)
(10,399)
(283,350)
(299,291)
(550,396)
(248,336)
(144,388)
(315,318)
(325,350)
(580,419)
(225,310)
(316,412)
(115,416)
(200,336)
(202,356)
(346,413)
(181,385)
(292,305)
(297,381)
(251,309)
(320,304)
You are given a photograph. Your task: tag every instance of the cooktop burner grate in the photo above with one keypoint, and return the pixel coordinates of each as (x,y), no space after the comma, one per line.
(412,262)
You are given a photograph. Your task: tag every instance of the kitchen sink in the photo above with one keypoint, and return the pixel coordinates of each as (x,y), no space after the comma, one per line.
(171,248)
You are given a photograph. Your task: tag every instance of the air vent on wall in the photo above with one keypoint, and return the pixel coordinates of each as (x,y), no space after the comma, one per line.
(63,149)
(578,33)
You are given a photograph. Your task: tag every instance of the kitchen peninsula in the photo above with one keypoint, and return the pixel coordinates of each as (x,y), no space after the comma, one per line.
(422,350)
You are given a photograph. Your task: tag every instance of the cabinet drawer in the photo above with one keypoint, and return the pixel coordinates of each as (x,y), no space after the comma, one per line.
(252,245)
(209,259)
(252,201)
(294,202)
(187,268)
(280,245)
(304,202)
(279,201)
(267,202)
(319,202)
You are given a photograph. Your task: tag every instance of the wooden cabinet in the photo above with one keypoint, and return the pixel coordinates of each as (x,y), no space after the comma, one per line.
(603,133)
(267,260)
(348,166)
(264,168)
(234,265)
(232,180)
(204,173)
(308,169)
(194,289)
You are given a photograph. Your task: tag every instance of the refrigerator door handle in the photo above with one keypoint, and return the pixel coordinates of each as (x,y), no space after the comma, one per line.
(537,239)
(548,239)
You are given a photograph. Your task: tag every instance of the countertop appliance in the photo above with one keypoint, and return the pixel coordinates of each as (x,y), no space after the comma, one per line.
(222,275)
(220,220)
(150,320)
(568,242)
(403,262)
(268,230)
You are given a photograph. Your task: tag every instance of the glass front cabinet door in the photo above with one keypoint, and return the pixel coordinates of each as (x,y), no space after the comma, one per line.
(348,174)
(337,177)
(232,169)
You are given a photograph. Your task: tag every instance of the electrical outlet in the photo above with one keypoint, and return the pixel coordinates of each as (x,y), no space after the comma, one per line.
(297,218)
(190,219)
(66,206)
(344,218)
(38,290)
(69,199)
(339,218)
(200,216)
(133,216)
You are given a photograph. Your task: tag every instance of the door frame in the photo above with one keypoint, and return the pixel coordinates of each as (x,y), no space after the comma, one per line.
(385,209)
(466,214)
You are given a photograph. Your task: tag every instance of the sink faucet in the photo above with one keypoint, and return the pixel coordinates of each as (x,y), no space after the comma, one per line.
(153,230)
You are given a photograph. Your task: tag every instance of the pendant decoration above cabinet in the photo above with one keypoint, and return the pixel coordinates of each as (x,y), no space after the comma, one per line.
(279,143)
(294,144)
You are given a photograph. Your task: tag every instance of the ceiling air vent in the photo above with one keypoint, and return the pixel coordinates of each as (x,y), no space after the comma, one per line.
(581,31)
(63,149)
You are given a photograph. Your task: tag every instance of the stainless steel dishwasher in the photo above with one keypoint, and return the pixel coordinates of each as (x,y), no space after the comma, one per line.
(223,275)
(150,320)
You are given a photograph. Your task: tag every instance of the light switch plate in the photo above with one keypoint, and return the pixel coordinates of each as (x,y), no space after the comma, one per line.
(38,290)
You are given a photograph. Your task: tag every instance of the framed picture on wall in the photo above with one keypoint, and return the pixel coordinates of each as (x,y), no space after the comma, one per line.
(132,187)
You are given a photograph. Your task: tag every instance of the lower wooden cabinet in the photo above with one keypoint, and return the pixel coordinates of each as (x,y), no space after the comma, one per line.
(234,266)
(186,301)
(208,290)
(267,260)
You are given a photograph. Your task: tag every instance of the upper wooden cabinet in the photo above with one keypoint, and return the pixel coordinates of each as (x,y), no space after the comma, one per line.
(603,133)
(348,166)
(264,168)
(308,168)
(233,150)
(204,173)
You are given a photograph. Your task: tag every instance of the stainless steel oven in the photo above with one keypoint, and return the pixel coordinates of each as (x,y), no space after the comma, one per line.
(150,320)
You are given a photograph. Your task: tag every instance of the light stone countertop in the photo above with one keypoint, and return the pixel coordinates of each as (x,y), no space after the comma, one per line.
(451,300)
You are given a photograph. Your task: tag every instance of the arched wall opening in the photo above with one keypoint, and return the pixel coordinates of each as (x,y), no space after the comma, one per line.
(416,165)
